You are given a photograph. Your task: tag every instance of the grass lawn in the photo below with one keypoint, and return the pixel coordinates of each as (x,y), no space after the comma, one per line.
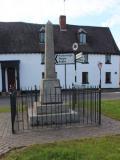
(4,109)
(105,148)
(111,108)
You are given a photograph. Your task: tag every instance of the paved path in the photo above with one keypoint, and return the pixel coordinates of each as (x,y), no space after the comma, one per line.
(9,141)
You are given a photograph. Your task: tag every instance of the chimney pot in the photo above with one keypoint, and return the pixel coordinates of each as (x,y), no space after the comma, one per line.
(62,21)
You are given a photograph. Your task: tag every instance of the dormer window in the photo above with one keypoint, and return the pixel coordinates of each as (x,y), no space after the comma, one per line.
(42,35)
(82,36)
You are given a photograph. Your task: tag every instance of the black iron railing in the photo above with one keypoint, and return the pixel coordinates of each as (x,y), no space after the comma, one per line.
(70,106)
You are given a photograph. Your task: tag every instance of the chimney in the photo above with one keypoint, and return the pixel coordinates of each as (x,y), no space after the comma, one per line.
(62,22)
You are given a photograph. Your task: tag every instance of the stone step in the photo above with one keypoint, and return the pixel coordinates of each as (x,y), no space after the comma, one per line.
(51,108)
(58,118)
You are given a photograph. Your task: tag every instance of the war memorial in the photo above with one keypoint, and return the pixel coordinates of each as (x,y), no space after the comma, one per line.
(50,100)
(52,105)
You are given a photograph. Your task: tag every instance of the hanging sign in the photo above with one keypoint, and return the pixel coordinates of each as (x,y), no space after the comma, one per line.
(75,46)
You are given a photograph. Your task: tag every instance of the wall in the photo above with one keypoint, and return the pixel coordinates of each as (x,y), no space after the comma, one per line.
(94,74)
(31,70)
(70,74)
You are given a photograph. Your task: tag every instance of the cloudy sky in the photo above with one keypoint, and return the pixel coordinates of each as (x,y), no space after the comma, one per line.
(80,12)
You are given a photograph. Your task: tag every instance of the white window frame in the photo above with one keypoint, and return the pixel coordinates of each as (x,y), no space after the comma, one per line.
(42,37)
(107,59)
(82,38)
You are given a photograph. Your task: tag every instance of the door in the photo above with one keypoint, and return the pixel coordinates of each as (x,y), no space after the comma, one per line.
(11,78)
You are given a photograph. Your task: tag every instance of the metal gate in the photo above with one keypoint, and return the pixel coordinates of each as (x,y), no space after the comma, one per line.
(74,106)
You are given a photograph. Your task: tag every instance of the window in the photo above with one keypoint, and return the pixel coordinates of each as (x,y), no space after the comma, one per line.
(42,37)
(86,58)
(84,77)
(43,75)
(82,38)
(42,59)
(108,77)
(108,59)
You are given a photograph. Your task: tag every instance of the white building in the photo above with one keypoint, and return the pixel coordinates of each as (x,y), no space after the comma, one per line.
(22,52)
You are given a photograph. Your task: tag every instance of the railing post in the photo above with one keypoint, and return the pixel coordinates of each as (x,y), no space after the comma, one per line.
(35,93)
(73,98)
(99,105)
(13,108)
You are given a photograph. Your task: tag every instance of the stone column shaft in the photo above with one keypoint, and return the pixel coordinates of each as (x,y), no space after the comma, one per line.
(49,52)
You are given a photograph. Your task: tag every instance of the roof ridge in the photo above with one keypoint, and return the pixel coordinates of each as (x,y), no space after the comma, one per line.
(20,22)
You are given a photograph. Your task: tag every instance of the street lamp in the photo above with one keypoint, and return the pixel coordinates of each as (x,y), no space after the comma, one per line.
(100,67)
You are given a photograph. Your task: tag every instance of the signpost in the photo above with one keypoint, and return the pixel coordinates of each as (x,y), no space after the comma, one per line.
(79,55)
(64,58)
(71,58)
(80,58)
(75,48)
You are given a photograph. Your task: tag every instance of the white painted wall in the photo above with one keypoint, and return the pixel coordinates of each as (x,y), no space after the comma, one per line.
(31,70)
(93,71)
(70,74)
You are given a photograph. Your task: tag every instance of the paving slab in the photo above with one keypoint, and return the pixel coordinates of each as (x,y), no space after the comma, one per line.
(48,135)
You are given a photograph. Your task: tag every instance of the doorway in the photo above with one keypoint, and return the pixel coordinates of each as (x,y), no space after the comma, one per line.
(11,78)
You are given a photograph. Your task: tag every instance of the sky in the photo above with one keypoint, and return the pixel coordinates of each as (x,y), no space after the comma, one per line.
(79,12)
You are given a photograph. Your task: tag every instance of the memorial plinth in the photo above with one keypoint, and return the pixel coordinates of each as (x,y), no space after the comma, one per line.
(50,91)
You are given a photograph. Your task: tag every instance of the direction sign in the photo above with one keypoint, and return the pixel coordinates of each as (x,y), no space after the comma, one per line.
(81,59)
(65,58)
(79,55)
